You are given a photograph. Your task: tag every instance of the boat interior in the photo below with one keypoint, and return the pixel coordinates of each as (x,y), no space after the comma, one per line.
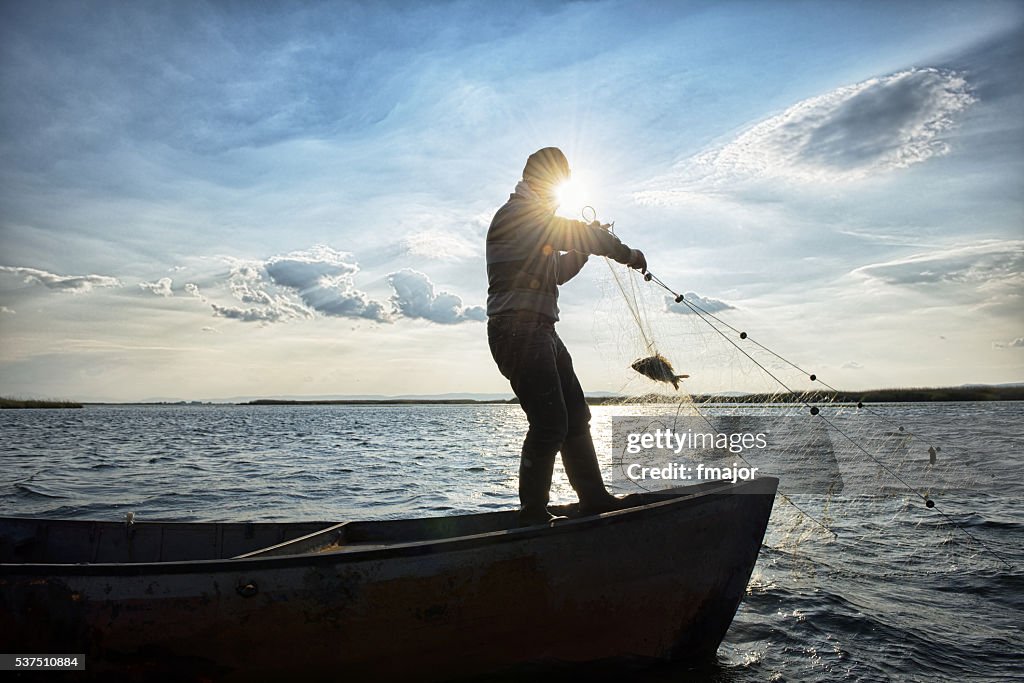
(49,541)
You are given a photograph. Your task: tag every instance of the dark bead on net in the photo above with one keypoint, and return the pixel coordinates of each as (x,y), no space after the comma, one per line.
(648,276)
(679,298)
(930,503)
(814,410)
(743,335)
(860,404)
(814,377)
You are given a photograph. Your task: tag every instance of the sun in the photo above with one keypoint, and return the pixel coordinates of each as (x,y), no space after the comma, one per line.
(572,197)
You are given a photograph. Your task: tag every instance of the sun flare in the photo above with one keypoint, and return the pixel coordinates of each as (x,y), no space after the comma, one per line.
(572,197)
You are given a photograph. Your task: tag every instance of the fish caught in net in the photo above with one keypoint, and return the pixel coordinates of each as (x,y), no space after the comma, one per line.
(658,368)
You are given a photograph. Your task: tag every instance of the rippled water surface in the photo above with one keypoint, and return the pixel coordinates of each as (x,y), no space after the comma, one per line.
(901,592)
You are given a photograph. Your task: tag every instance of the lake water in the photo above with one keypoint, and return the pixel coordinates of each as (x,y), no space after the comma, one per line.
(902,592)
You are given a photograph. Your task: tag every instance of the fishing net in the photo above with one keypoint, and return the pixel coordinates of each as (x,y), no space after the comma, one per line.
(856,477)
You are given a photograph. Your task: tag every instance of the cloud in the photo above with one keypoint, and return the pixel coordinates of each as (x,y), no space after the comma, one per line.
(988,275)
(161,287)
(987,264)
(297,285)
(318,281)
(1015,344)
(878,125)
(848,134)
(415,298)
(76,284)
(4,309)
(708,304)
(302,269)
(249,315)
(248,285)
(339,299)
(852,365)
(323,279)
(245,282)
(292,286)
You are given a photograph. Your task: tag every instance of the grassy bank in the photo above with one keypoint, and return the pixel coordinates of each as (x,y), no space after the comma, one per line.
(33,403)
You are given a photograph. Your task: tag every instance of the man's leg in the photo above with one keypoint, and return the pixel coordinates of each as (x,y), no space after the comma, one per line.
(526,355)
(578,454)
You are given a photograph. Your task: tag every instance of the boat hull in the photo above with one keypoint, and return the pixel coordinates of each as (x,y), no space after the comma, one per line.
(660,581)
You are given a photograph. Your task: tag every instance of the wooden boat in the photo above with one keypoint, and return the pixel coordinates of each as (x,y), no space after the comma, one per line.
(418,599)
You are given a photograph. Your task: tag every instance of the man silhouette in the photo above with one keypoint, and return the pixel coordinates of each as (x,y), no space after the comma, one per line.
(530,252)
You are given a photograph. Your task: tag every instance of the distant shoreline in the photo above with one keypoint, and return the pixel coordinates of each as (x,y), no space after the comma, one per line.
(909,395)
(906,395)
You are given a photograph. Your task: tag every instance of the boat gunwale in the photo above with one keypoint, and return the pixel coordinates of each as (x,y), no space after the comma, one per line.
(355,554)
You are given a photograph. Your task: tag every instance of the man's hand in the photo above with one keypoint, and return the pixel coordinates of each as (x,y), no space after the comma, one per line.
(637,260)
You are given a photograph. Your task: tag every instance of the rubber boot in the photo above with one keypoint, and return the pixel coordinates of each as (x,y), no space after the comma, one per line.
(584,472)
(534,489)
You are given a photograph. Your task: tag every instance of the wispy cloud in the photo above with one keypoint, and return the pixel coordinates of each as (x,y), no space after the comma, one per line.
(76,284)
(1017,343)
(415,298)
(989,275)
(441,245)
(986,263)
(848,134)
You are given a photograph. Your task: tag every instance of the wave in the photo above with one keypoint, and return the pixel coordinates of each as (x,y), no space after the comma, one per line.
(36,491)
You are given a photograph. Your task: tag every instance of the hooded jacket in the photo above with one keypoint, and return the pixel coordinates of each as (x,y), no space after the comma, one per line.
(530,251)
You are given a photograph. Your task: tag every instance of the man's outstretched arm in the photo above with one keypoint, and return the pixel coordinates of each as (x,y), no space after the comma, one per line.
(569,264)
(593,238)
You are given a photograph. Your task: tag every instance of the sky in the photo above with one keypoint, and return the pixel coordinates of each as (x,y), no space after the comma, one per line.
(207,201)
